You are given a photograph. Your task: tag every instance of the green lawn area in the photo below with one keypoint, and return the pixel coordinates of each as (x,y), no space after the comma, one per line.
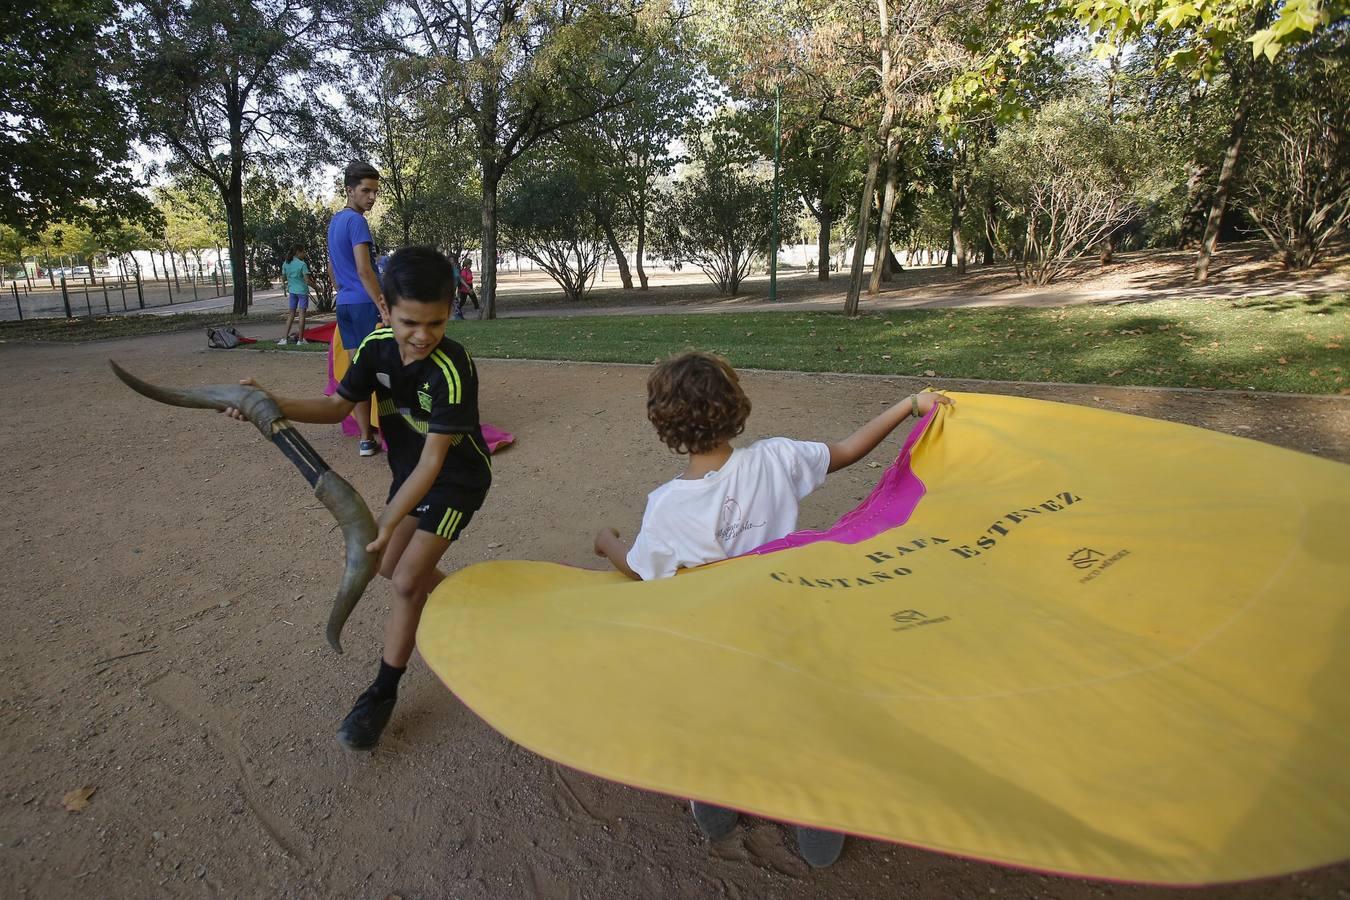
(1270,343)
(1274,344)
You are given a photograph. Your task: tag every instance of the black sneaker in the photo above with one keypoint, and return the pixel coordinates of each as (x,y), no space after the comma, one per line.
(716,822)
(363,726)
(818,847)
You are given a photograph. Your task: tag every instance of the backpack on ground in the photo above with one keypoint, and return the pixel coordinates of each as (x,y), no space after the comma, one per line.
(225,337)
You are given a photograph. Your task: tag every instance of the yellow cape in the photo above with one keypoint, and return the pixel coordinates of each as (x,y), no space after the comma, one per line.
(1086,643)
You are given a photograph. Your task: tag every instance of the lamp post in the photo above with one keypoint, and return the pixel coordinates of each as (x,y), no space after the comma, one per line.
(777,201)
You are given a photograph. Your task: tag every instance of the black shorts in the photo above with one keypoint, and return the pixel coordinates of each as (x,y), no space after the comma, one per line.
(442,519)
(437,514)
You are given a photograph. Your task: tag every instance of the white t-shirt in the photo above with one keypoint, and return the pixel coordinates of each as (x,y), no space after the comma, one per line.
(750,501)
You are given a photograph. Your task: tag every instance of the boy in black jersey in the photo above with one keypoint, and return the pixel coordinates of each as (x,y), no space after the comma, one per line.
(427,390)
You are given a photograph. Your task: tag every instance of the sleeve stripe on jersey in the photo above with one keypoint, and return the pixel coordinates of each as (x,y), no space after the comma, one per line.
(379,334)
(451,374)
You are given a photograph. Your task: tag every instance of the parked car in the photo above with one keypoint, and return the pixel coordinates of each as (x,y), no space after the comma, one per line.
(81,271)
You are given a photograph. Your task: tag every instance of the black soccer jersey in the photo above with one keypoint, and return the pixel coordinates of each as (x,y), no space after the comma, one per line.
(435,395)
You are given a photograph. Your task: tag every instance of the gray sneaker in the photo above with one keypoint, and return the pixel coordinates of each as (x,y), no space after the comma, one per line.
(716,822)
(369,448)
(818,847)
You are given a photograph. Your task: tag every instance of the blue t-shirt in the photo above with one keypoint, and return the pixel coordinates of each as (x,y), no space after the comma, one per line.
(295,272)
(346,232)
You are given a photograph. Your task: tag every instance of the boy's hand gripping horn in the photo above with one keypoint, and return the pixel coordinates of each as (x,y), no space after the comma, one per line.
(342,500)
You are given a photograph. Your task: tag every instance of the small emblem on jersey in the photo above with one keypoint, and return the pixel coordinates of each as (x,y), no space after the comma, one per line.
(382,378)
(425,400)
(426,385)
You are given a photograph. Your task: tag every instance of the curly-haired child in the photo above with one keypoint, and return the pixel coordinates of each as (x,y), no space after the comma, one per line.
(731,500)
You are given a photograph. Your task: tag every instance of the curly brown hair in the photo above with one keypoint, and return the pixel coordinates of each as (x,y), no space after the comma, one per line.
(696,402)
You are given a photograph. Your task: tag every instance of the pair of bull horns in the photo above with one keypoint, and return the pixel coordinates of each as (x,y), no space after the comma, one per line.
(341,499)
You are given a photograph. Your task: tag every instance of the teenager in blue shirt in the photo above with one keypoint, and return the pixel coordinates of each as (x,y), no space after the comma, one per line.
(351,250)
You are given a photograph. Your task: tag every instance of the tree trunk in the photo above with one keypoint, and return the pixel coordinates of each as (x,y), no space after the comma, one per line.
(1244,75)
(826,220)
(234,213)
(958,218)
(619,259)
(883,258)
(1108,253)
(1219,204)
(641,239)
(1192,226)
(488,265)
(989,213)
(860,237)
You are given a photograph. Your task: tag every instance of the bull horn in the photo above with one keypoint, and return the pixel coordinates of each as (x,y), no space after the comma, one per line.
(340,498)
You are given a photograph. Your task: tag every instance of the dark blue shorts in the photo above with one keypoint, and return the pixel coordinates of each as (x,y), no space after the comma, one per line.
(298,301)
(355,322)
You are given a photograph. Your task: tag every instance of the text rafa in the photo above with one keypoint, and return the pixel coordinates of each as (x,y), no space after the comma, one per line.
(867,579)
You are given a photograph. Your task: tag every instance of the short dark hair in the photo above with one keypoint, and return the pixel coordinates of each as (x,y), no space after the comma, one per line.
(358,172)
(696,402)
(418,273)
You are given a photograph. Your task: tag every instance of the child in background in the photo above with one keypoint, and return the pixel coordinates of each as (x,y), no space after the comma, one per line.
(731,500)
(298,282)
(465,288)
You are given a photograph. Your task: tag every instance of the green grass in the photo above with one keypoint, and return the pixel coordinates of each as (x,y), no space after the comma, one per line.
(99,328)
(1273,344)
(1290,344)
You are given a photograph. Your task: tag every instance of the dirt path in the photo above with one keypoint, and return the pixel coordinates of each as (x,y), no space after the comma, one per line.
(166,582)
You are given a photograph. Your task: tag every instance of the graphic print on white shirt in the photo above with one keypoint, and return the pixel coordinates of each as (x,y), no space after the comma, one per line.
(732,523)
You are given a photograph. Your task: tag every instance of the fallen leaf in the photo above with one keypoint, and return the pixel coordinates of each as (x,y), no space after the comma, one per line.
(1115,373)
(1333,346)
(1283,361)
(885,356)
(929,373)
(494,545)
(78,799)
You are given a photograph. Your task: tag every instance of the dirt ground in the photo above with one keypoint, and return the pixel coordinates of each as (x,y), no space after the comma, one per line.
(167,577)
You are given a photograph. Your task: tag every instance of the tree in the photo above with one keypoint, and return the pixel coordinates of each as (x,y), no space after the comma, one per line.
(623,151)
(14,249)
(65,147)
(1211,38)
(519,72)
(719,217)
(1065,181)
(1297,181)
(192,222)
(547,216)
(224,86)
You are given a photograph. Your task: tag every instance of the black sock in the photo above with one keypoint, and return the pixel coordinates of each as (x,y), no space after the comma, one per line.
(386,683)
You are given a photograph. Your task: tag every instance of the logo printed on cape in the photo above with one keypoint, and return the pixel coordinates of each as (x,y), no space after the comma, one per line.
(1085,557)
